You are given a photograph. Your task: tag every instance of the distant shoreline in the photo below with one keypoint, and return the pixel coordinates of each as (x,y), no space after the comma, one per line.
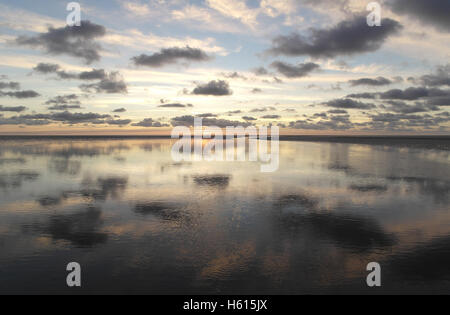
(424,142)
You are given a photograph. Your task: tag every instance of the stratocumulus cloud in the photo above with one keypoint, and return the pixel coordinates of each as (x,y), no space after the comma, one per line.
(346,38)
(169,56)
(78,42)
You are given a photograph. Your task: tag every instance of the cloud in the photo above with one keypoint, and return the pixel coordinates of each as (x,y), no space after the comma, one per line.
(207,115)
(188,121)
(337,111)
(16,109)
(170,56)
(9,85)
(47,68)
(256,91)
(404,108)
(23,121)
(271,117)
(262,109)
(213,88)
(380,81)
(410,94)
(119,110)
(71,99)
(440,78)
(389,121)
(70,118)
(348,104)
(248,118)
(332,123)
(77,42)
(175,105)
(64,107)
(346,38)
(118,122)
(112,84)
(21,94)
(234,75)
(64,117)
(291,71)
(432,12)
(149,122)
(261,71)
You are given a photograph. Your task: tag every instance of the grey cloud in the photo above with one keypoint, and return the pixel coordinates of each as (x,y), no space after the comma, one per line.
(337,111)
(346,38)
(118,122)
(113,83)
(207,115)
(380,81)
(271,117)
(248,118)
(261,71)
(213,88)
(64,107)
(170,56)
(234,75)
(256,90)
(188,121)
(149,122)
(292,71)
(77,42)
(333,123)
(432,12)
(402,107)
(348,104)
(64,117)
(21,94)
(409,94)
(262,109)
(9,85)
(440,78)
(64,100)
(119,110)
(16,109)
(175,105)
(48,68)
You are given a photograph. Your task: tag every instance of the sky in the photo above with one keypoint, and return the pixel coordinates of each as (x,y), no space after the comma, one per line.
(145,66)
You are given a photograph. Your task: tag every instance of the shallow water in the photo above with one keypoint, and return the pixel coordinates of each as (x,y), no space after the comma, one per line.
(138,222)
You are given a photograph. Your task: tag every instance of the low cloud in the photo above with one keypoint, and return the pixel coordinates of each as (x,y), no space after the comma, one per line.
(16,109)
(431,12)
(380,81)
(78,42)
(410,94)
(292,71)
(213,88)
(9,85)
(170,56)
(64,107)
(188,121)
(346,38)
(21,94)
(348,104)
(48,68)
(112,84)
(175,105)
(149,123)
(440,78)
